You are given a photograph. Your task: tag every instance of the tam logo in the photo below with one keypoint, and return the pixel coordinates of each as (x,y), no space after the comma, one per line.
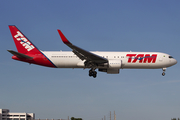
(27,45)
(143,58)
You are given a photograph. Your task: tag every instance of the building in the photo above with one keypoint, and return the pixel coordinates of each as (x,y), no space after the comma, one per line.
(6,115)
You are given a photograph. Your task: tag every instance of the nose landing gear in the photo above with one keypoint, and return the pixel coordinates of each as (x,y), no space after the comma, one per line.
(164,69)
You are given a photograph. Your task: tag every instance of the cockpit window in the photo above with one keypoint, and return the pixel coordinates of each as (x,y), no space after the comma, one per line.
(170,57)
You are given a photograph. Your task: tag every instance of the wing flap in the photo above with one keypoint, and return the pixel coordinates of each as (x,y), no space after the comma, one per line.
(81,53)
(19,55)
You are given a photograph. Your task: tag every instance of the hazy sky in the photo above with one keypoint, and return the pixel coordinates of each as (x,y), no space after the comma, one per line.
(96,25)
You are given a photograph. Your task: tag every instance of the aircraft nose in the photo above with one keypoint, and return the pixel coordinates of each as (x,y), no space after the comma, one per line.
(174,61)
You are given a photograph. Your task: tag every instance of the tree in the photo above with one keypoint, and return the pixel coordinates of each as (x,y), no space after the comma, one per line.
(72,118)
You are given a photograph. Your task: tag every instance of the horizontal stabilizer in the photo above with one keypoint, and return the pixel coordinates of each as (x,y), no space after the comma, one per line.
(19,55)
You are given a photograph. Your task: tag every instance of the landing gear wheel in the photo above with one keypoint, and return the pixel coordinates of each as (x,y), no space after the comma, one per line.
(163,74)
(92,73)
(164,69)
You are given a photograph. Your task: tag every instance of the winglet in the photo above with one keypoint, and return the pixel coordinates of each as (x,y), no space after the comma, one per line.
(64,39)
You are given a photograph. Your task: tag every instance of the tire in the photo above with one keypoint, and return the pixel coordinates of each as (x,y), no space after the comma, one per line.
(163,74)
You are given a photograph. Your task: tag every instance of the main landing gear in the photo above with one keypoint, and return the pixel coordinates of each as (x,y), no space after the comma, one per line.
(164,69)
(93,73)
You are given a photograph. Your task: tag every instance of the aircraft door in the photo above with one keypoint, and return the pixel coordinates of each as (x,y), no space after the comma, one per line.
(161,58)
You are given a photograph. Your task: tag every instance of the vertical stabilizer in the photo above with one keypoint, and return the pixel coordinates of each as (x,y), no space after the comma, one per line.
(27,52)
(23,44)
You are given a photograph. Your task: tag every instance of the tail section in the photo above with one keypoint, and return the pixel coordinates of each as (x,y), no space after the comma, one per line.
(22,43)
(27,52)
(19,55)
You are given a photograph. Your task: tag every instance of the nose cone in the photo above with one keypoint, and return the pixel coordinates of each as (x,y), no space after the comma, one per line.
(174,61)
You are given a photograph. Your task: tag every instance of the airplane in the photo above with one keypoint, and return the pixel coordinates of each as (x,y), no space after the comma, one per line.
(109,62)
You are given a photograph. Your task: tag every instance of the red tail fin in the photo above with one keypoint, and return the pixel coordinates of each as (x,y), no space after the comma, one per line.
(22,43)
(27,52)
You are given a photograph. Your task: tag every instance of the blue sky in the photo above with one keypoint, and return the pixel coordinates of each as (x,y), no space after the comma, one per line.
(95,26)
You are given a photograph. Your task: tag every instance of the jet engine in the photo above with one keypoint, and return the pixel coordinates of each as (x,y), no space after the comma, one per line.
(113,67)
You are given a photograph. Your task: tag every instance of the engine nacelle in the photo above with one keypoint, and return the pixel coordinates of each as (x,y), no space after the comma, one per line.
(113,67)
(110,71)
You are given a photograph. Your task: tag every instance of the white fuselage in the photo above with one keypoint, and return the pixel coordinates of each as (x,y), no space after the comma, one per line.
(120,60)
(109,62)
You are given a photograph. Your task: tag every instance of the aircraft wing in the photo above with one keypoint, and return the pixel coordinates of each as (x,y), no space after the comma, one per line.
(81,53)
